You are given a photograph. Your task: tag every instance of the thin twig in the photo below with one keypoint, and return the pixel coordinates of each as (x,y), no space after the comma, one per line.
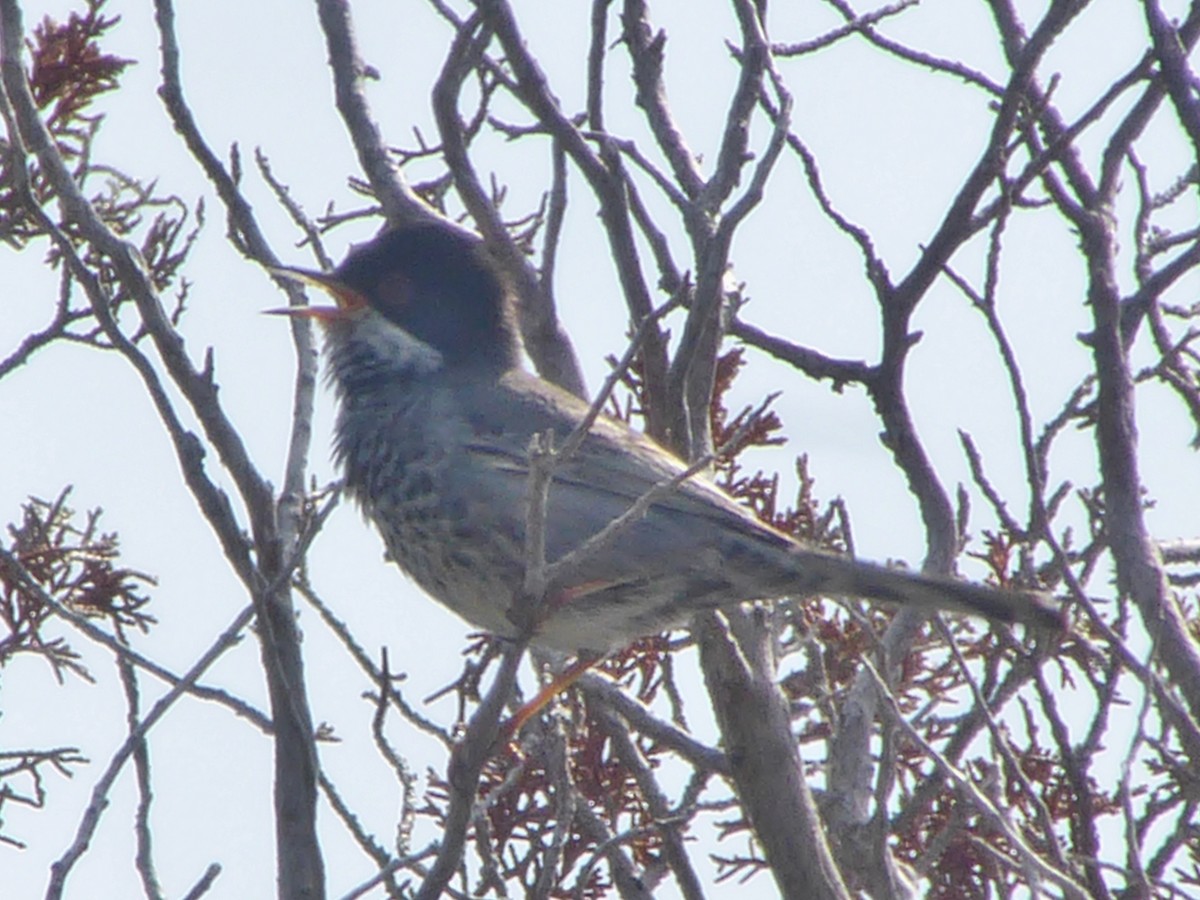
(971,794)
(61,868)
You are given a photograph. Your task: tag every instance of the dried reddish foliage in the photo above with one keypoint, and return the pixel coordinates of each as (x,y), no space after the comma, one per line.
(522,811)
(524,815)
(639,667)
(77,565)
(69,69)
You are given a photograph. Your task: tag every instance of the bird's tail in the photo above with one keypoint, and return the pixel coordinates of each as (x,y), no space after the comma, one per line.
(929,593)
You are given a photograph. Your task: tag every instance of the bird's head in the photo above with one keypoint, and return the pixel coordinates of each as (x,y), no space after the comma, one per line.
(418,298)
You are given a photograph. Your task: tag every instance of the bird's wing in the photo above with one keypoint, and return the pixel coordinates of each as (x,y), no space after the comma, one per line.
(613,467)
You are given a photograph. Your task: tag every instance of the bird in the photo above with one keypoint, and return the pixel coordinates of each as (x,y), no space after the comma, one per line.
(433,432)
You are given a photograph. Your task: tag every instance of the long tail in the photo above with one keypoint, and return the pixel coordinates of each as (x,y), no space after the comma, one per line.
(930,593)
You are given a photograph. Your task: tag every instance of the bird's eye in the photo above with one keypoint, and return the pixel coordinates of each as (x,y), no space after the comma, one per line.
(394,292)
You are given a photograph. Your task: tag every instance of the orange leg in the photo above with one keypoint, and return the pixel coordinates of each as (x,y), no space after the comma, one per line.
(560,683)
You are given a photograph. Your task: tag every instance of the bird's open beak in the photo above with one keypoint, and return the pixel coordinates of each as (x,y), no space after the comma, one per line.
(348,300)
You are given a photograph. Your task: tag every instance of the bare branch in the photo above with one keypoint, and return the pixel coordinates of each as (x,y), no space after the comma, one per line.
(99,798)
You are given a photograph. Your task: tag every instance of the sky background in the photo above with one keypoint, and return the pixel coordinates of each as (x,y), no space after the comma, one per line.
(894,144)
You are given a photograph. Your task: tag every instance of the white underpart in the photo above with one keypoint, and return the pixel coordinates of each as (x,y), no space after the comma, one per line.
(403,352)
